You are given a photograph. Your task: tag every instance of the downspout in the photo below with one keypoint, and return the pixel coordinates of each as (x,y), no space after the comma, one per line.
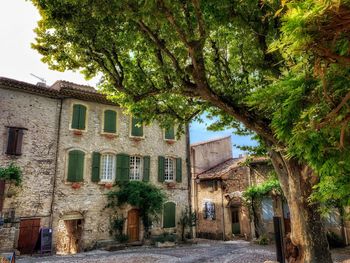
(189,174)
(252,227)
(56,162)
(223,211)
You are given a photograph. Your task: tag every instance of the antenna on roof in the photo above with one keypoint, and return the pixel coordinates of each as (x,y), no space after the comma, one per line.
(42,81)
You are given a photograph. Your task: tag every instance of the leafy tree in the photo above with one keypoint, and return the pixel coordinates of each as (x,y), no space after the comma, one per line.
(279,68)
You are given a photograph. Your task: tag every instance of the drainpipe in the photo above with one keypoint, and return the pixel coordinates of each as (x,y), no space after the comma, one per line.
(189,175)
(223,211)
(252,227)
(56,162)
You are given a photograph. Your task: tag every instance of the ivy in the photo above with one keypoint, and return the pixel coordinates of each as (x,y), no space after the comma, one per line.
(11,173)
(261,190)
(146,197)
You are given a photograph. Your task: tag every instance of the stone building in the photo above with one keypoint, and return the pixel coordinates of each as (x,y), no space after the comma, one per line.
(219,181)
(75,145)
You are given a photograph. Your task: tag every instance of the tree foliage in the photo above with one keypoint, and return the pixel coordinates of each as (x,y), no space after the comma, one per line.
(279,69)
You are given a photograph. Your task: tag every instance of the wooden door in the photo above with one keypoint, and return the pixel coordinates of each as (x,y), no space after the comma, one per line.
(28,235)
(133,225)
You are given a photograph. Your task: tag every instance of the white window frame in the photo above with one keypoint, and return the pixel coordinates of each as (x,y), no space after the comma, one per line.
(136,172)
(169,172)
(111,167)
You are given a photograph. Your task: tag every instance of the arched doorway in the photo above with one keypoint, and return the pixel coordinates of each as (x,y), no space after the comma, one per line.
(133,225)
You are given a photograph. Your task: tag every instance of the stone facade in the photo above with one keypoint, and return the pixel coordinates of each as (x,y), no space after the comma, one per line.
(219,179)
(77,215)
(38,115)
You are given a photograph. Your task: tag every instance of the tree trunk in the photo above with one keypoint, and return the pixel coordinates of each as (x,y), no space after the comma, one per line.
(308,231)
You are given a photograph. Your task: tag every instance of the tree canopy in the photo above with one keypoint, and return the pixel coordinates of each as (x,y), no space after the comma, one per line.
(279,68)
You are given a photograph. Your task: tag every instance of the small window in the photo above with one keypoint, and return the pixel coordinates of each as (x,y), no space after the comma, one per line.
(78,117)
(107,167)
(209,210)
(135,168)
(110,121)
(169,169)
(14,141)
(76,161)
(169,213)
(169,133)
(267,208)
(136,127)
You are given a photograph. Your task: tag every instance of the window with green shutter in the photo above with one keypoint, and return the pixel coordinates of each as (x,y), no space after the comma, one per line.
(169,215)
(78,117)
(75,166)
(136,127)
(123,167)
(146,168)
(169,133)
(178,170)
(95,169)
(161,166)
(110,121)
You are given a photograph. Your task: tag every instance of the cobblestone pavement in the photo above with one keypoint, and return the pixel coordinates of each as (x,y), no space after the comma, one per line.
(204,251)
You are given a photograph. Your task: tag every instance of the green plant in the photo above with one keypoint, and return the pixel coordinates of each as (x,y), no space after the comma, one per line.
(11,173)
(165,237)
(263,240)
(117,229)
(146,197)
(187,219)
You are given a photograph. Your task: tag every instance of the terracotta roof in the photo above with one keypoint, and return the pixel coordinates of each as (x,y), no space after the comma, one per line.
(209,141)
(27,87)
(221,170)
(59,90)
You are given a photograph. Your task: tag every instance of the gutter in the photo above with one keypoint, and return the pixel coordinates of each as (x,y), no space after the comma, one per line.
(189,174)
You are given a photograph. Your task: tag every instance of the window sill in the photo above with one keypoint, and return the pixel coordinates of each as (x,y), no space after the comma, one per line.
(78,132)
(136,138)
(109,135)
(170,141)
(107,185)
(170,185)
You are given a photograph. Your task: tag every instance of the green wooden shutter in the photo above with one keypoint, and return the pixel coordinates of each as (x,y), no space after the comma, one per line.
(110,121)
(169,215)
(178,170)
(146,168)
(95,170)
(161,161)
(75,166)
(82,115)
(136,127)
(75,117)
(123,167)
(170,133)
(78,118)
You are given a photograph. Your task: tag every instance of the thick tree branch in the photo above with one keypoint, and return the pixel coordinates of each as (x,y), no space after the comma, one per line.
(199,15)
(170,17)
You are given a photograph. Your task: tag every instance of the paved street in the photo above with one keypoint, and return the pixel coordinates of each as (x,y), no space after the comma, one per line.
(204,251)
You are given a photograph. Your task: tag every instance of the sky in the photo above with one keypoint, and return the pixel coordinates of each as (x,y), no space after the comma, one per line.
(18,61)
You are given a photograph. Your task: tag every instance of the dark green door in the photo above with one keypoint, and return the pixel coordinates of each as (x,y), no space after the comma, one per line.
(236,228)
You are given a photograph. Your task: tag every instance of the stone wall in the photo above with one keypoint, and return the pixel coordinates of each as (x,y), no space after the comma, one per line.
(209,154)
(90,199)
(38,115)
(237,181)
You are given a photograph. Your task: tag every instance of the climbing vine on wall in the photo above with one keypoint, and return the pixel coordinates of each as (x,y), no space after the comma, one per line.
(146,197)
(11,173)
